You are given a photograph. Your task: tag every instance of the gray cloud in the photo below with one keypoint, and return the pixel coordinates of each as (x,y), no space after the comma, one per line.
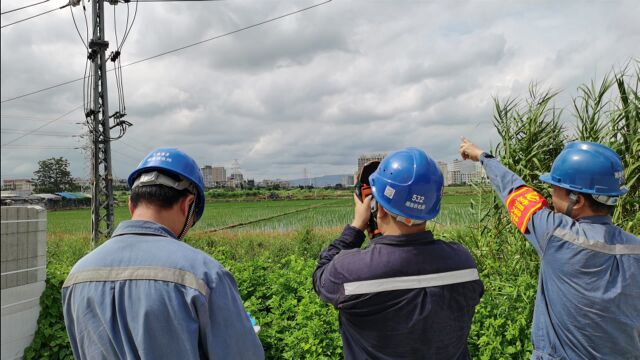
(311,91)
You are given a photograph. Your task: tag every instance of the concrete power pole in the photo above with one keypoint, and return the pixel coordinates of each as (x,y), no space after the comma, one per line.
(102,194)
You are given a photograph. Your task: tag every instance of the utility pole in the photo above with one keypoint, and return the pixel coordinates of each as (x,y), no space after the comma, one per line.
(102,194)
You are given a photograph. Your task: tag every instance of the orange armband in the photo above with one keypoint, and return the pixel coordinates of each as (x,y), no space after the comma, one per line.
(522,204)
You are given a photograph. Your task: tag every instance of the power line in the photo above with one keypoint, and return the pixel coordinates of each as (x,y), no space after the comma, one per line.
(73,17)
(226,34)
(127,157)
(40,147)
(40,127)
(172,51)
(24,7)
(34,16)
(171,0)
(39,133)
(132,147)
(45,89)
(22,117)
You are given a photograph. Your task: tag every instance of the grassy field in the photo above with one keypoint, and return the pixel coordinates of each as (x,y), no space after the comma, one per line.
(271,248)
(317,214)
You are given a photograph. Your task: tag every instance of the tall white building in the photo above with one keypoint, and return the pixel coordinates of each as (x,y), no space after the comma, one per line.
(219,175)
(444,169)
(466,172)
(207,176)
(214,176)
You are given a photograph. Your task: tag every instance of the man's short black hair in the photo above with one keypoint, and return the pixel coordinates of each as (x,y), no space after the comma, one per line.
(596,206)
(161,196)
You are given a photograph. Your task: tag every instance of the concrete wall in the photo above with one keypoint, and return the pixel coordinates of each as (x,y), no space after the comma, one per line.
(23,262)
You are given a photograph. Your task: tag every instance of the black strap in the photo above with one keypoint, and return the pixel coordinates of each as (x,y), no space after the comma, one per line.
(183,232)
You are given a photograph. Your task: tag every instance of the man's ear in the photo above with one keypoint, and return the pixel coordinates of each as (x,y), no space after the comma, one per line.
(131,207)
(185,204)
(381,212)
(581,203)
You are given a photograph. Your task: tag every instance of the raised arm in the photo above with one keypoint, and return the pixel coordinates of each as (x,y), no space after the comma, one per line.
(327,279)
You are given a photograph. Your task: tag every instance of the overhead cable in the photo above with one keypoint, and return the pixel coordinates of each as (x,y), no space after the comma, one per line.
(125,155)
(172,0)
(40,127)
(40,147)
(34,16)
(133,147)
(24,7)
(172,51)
(44,89)
(76,25)
(226,34)
(39,133)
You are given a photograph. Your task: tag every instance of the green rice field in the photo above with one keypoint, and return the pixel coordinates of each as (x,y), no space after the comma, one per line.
(270,215)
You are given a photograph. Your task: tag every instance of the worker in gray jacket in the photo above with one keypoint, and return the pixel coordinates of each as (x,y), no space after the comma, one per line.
(588,301)
(145,294)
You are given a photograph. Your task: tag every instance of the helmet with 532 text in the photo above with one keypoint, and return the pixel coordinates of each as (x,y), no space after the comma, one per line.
(408,183)
(588,167)
(173,162)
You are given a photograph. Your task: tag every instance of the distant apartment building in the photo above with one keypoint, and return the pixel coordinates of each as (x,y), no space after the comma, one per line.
(464,166)
(214,176)
(18,185)
(207,176)
(466,172)
(219,175)
(444,169)
(348,180)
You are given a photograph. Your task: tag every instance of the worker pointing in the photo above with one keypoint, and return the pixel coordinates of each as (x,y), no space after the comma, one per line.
(407,295)
(588,300)
(144,294)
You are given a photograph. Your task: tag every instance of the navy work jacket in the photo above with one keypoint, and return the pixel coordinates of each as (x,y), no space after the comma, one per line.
(588,301)
(390,303)
(145,295)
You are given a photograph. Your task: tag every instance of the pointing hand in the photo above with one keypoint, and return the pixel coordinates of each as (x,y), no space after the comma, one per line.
(469,151)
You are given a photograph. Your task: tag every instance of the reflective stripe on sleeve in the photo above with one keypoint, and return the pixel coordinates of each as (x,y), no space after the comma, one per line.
(600,246)
(410,282)
(176,276)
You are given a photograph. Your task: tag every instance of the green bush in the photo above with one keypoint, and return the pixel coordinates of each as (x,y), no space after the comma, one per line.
(51,341)
(295,323)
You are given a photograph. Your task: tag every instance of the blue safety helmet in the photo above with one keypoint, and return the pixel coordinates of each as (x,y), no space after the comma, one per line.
(408,183)
(175,162)
(589,168)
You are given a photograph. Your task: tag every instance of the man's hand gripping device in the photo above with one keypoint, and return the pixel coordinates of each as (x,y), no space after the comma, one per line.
(363,189)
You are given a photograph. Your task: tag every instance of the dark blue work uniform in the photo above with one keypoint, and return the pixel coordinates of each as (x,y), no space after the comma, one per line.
(588,301)
(403,297)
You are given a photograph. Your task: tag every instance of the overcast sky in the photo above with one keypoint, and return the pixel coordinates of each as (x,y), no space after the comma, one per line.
(313,90)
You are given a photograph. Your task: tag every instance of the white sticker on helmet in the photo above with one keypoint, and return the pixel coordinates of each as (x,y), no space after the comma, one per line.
(389,191)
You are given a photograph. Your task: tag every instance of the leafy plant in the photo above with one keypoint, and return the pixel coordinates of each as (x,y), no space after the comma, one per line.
(610,114)
(50,340)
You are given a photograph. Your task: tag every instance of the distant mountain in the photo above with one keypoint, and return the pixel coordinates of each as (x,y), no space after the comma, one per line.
(320,181)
